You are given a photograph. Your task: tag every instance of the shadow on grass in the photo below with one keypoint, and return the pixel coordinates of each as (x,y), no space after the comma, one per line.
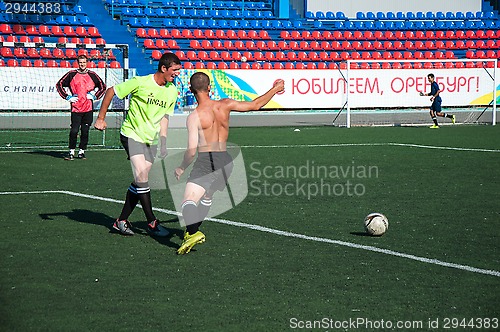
(101,219)
(53,154)
(360,234)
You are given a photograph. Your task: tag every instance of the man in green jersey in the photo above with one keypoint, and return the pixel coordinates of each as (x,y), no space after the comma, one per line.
(152,100)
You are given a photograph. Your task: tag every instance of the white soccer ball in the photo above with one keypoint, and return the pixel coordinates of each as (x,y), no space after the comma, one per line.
(243,59)
(376,224)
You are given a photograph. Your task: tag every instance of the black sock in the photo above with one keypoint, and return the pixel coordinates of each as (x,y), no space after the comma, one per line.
(449,115)
(191,217)
(130,202)
(435,121)
(144,194)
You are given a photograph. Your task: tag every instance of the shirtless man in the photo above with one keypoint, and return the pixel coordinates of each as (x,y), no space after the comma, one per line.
(208,130)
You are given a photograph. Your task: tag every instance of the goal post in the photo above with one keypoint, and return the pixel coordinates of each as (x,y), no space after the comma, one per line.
(34,116)
(386,92)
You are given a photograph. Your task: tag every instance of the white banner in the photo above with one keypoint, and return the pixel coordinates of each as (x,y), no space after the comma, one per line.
(34,88)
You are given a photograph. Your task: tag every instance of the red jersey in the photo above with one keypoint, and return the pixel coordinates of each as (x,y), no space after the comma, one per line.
(80,83)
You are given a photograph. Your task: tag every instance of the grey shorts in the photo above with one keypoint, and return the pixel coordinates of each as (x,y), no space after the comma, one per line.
(211,170)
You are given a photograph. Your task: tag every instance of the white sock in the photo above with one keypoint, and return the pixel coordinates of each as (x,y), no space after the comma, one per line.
(72,151)
(81,151)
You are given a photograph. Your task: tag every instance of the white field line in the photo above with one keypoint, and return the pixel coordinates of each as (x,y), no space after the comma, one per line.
(280,233)
(410,145)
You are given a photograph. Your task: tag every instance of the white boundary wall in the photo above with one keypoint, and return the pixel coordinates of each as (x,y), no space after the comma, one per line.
(34,88)
(350,8)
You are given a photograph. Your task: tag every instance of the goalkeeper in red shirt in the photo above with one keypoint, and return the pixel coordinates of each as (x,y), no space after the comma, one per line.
(80,87)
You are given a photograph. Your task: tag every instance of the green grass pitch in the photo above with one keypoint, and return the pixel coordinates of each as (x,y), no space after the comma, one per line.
(275,262)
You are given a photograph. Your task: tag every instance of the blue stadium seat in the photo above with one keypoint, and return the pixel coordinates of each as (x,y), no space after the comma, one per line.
(297,24)
(450,15)
(371,16)
(420,16)
(320,15)
(440,16)
(310,15)
(390,15)
(340,16)
(470,15)
(318,25)
(460,15)
(410,16)
(168,22)
(400,16)
(330,15)
(360,16)
(430,16)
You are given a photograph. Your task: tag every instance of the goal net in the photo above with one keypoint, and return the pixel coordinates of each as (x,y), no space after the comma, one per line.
(387,92)
(32,113)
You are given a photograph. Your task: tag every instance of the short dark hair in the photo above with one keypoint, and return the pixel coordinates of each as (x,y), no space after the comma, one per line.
(199,82)
(82,56)
(431,75)
(168,59)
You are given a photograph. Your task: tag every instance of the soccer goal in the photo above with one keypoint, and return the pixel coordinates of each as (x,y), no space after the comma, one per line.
(387,92)
(33,115)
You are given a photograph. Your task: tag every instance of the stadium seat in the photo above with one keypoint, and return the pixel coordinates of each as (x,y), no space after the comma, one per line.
(75,40)
(5,29)
(156,54)
(19,52)
(114,64)
(52,63)
(69,31)
(12,63)
(26,63)
(32,52)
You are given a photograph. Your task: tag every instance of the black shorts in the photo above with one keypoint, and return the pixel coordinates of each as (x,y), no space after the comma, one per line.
(133,148)
(436,106)
(211,170)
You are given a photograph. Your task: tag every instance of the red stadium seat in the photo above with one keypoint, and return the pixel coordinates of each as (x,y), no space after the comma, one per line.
(26,63)
(211,65)
(222,65)
(114,64)
(459,34)
(326,35)
(44,30)
(175,34)
(12,63)
(203,55)
(263,34)
(156,54)
(289,65)
(5,29)
(75,40)
(52,63)
(12,39)
(24,39)
(6,52)
(18,29)
(188,65)
(470,34)
(68,31)
(58,53)
(81,31)
(225,56)
(93,32)
(231,34)
(245,65)
(19,52)
(348,35)
(172,44)
(165,34)
(242,34)
(407,65)
(252,34)
(256,65)
(139,33)
(278,65)
(236,55)
(32,52)
(161,44)
(153,33)
(234,65)
(65,64)
(306,34)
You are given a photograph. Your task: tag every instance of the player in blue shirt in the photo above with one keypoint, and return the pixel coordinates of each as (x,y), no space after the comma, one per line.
(436,102)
